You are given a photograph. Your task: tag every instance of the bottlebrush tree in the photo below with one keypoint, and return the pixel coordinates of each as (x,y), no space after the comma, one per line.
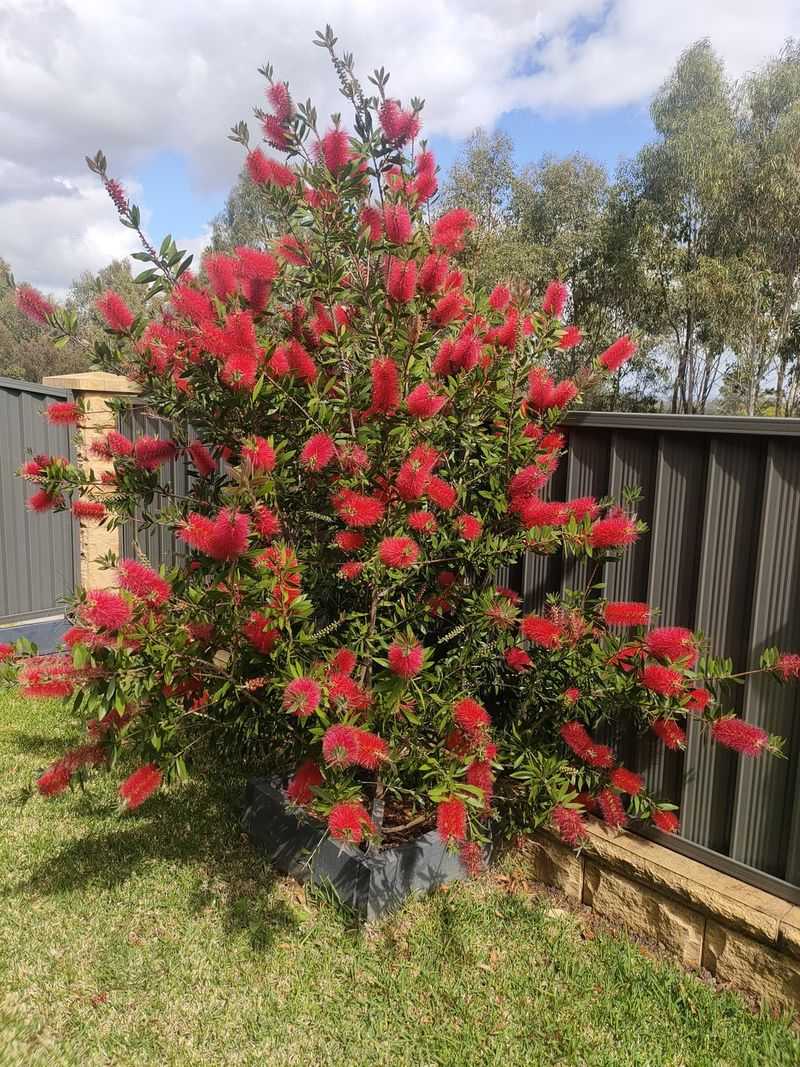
(371,441)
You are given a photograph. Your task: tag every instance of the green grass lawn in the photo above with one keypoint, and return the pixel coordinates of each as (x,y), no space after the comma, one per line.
(161,938)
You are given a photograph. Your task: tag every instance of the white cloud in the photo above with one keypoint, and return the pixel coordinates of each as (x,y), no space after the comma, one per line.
(134,79)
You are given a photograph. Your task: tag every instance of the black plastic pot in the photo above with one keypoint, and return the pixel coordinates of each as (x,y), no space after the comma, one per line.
(372,885)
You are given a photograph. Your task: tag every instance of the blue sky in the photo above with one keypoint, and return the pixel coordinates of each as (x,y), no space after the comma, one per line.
(178,202)
(157,87)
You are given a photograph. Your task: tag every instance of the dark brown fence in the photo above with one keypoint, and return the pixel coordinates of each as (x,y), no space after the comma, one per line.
(721,497)
(39,563)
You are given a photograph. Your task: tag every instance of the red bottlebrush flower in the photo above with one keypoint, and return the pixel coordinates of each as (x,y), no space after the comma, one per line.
(278,96)
(441,494)
(433,272)
(33,305)
(415,474)
(597,755)
(398,552)
(672,643)
(6,651)
(222,272)
(274,133)
(397,224)
(662,680)
(499,298)
(423,522)
(203,461)
(669,732)
(405,658)
(666,821)
(372,221)
(117,193)
(627,781)
(471,718)
(264,170)
(526,481)
(471,858)
(535,512)
(611,809)
(343,689)
(150,452)
(617,354)
(583,507)
(302,783)
(564,393)
(239,370)
(191,303)
(259,633)
(385,387)
(344,661)
(351,570)
(302,696)
(349,540)
(698,701)
(570,338)
(398,126)
(334,150)
(540,631)
(349,822)
(89,509)
(568,824)
(615,531)
(479,774)
(356,509)
(788,665)
(451,821)
(259,453)
(43,501)
(449,308)
(143,582)
(318,452)
(106,610)
(63,413)
(446,579)
(626,613)
(118,316)
(555,299)
(469,527)
(301,365)
(253,264)
(423,403)
(223,538)
(401,279)
(292,251)
(266,522)
(34,468)
(448,231)
(743,737)
(353,459)
(518,659)
(372,750)
(118,444)
(54,780)
(341,745)
(575,735)
(140,785)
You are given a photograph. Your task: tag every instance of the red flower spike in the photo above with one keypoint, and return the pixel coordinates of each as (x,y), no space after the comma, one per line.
(302,696)
(568,823)
(356,509)
(401,279)
(626,613)
(673,644)
(260,634)
(89,510)
(398,552)
(349,823)
(617,354)
(304,780)
(63,413)
(611,809)
(140,785)
(626,781)
(106,610)
(203,461)
(471,718)
(318,452)
(385,387)
(423,403)
(33,305)
(143,582)
(669,732)
(743,737)
(334,150)
(451,821)
(405,658)
(449,230)
(615,531)
(469,527)
(518,659)
(540,631)
(555,299)
(116,313)
(397,224)
(666,821)
(662,680)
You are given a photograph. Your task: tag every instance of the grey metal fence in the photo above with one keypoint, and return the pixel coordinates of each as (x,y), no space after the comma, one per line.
(721,497)
(39,563)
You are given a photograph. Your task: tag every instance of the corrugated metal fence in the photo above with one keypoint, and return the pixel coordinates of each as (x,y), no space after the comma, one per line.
(39,563)
(721,497)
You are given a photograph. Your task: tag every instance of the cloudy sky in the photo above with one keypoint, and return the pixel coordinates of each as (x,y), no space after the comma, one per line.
(157,86)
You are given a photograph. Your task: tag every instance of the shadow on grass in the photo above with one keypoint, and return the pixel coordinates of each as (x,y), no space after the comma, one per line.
(195,827)
(49,747)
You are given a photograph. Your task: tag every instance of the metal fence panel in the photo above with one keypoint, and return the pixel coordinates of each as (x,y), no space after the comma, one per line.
(721,497)
(39,563)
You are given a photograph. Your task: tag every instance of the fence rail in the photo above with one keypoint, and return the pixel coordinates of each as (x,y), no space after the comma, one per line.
(39,563)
